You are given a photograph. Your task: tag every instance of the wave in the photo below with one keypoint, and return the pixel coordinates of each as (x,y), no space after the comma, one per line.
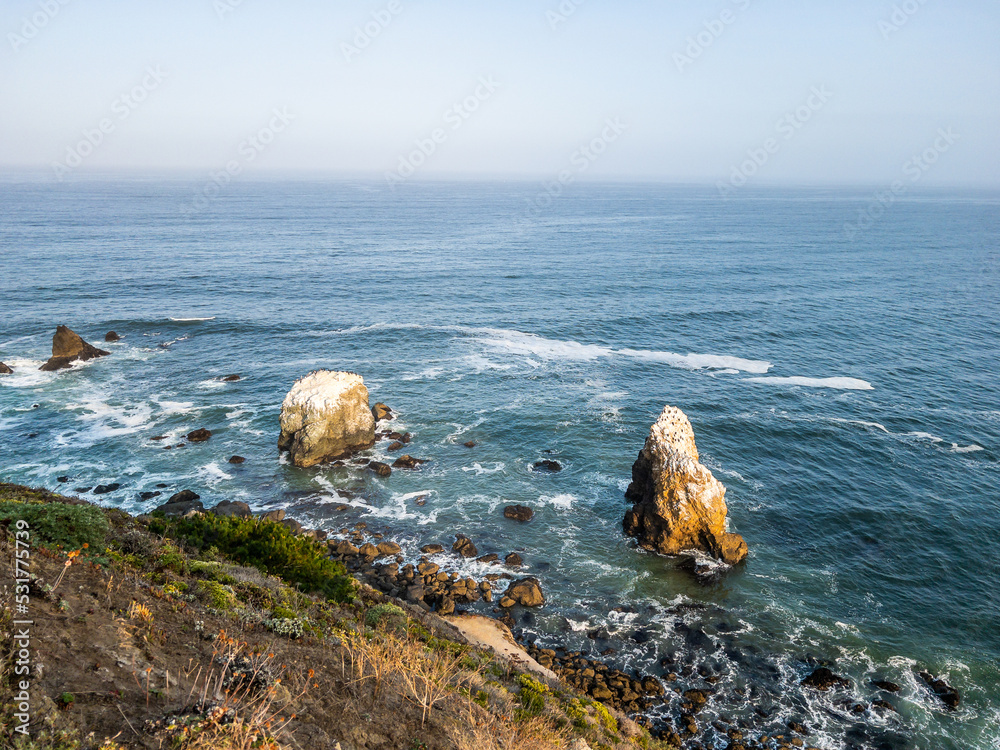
(563,502)
(918,435)
(479,469)
(191,320)
(849,384)
(700,361)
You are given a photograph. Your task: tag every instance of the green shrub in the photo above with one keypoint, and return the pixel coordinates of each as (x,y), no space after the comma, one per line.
(270,547)
(386,615)
(532,695)
(56,525)
(217,595)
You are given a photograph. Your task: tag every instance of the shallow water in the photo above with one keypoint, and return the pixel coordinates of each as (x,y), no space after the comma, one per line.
(844,391)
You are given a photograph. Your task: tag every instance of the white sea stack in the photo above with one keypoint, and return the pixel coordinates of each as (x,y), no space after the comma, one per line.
(678,504)
(325,417)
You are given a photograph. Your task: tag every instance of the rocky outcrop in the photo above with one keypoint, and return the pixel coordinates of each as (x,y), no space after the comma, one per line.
(380,411)
(678,504)
(525,591)
(948,695)
(111,337)
(325,417)
(518,513)
(67,348)
(4,369)
(464,546)
(199,435)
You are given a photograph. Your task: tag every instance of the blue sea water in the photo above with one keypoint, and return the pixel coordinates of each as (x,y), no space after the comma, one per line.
(842,386)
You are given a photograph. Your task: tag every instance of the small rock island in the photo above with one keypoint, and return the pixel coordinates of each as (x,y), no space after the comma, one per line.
(678,505)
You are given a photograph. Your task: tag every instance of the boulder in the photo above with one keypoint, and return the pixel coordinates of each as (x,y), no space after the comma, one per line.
(237,460)
(199,436)
(383,470)
(469,443)
(408,462)
(388,548)
(513,560)
(525,591)
(678,504)
(464,546)
(380,411)
(104,489)
(518,513)
(5,370)
(948,695)
(324,417)
(111,337)
(273,515)
(68,347)
(181,504)
(231,378)
(823,679)
(184,496)
(547,465)
(232,508)
(432,549)
(292,525)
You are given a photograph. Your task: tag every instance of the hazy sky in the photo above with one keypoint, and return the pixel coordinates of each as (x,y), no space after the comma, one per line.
(815,92)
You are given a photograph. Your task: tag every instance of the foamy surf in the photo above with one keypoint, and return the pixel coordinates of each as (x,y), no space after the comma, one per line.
(191,320)
(845,384)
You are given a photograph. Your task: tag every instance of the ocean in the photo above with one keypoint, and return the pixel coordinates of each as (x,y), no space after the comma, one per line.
(841,380)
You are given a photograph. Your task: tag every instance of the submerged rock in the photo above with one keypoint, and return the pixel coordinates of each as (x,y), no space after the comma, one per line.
(5,370)
(68,347)
(231,378)
(948,695)
(823,679)
(547,465)
(518,513)
(324,417)
(199,436)
(408,462)
(678,504)
(237,460)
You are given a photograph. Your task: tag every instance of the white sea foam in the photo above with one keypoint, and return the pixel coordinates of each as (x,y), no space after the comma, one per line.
(966,448)
(191,320)
(429,374)
(213,471)
(516,342)
(700,361)
(563,502)
(848,384)
(168,408)
(26,374)
(479,469)
(863,423)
